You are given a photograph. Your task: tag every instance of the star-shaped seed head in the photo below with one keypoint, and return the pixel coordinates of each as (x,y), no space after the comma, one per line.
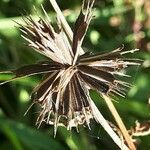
(63,93)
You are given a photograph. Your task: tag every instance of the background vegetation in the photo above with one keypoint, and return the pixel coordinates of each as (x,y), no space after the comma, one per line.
(116,22)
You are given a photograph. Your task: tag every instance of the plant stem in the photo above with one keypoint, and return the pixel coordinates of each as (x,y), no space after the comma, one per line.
(119,122)
(104,123)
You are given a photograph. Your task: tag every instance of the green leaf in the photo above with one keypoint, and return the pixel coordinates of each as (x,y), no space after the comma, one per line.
(20,135)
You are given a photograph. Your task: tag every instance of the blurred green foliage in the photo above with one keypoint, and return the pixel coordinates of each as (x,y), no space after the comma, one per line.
(116,22)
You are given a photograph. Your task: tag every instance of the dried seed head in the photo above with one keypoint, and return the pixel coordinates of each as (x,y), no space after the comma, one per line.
(63,94)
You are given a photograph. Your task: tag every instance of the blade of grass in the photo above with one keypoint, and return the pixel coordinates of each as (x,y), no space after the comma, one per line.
(11,135)
(62,18)
(64,22)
